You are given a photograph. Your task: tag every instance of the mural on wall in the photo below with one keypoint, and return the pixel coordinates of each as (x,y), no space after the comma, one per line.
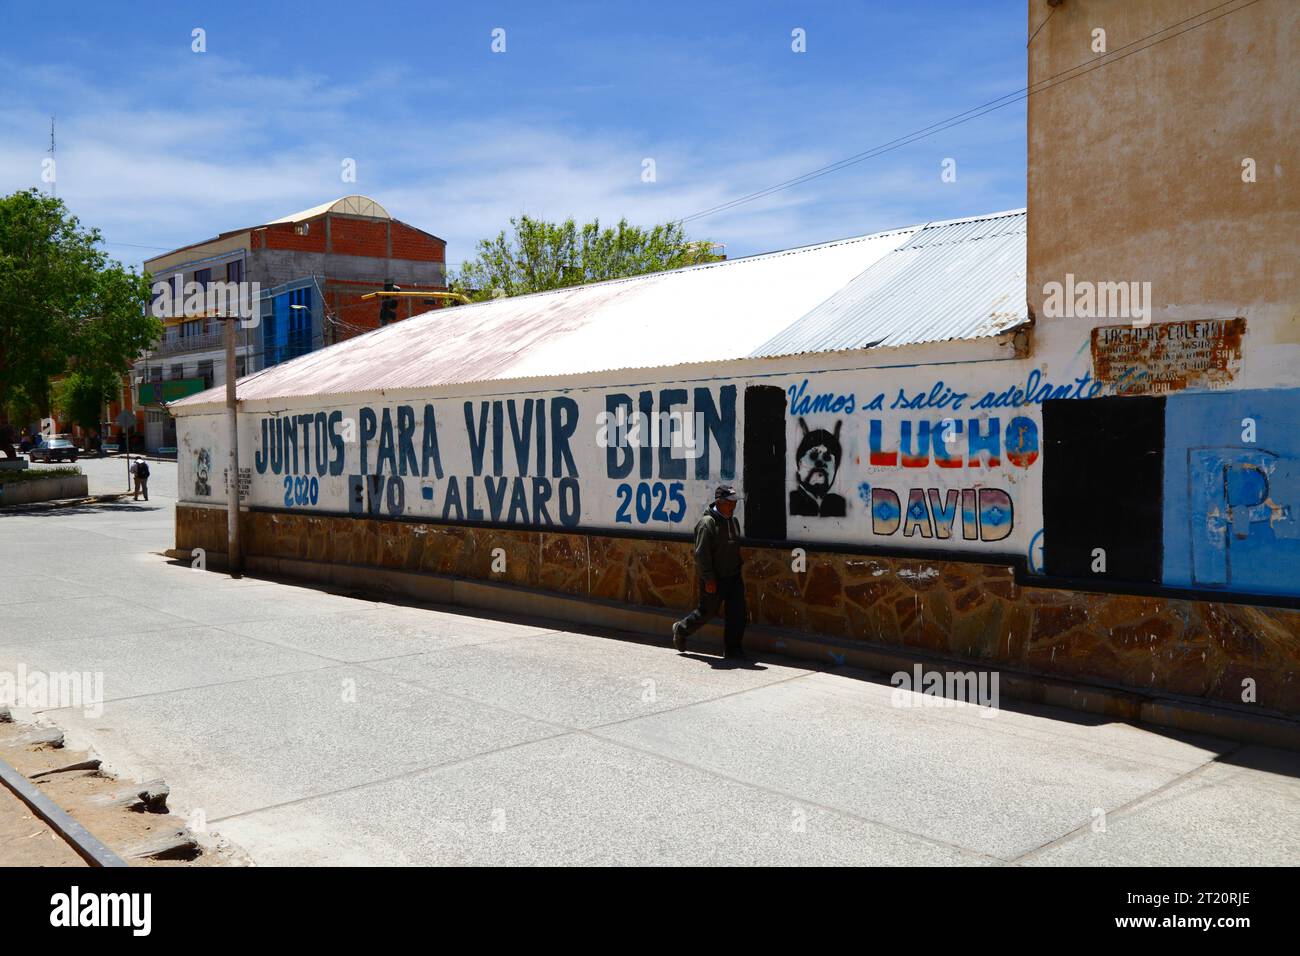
(1232,491)
(1184,489)
(202,471)
(600,458)
(945,457)
(816,463)
(385,455)
(933,464)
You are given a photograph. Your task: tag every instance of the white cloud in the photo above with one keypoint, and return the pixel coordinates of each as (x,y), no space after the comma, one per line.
(239,146)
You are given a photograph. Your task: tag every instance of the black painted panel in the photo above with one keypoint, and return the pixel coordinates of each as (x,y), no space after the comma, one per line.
(765,464)
(1103,469)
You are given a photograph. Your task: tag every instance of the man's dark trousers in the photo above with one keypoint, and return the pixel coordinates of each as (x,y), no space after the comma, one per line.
(731,591)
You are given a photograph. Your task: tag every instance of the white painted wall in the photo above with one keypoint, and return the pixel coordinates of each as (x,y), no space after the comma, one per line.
(946,488)
(950,390)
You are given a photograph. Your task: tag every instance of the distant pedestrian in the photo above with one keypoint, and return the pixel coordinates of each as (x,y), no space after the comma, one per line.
(718,564)
(140,472)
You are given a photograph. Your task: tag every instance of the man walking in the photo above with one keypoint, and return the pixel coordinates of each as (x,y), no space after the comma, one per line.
(140,472)
(717,563)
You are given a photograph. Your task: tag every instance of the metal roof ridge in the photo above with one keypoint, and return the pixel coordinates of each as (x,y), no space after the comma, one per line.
(1001,214)
(742,260)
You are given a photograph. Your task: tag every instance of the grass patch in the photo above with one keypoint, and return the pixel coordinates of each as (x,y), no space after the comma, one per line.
(32,474)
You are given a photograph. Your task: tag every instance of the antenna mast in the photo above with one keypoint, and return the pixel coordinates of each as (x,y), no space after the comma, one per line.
(54,187)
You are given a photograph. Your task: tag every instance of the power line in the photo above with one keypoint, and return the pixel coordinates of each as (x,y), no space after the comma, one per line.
(1055,7)
(976,111)
(133,245)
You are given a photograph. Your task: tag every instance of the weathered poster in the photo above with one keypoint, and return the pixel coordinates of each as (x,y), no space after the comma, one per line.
(1167,356)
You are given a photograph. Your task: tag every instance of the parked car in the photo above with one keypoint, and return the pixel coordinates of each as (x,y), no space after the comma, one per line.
(58,448)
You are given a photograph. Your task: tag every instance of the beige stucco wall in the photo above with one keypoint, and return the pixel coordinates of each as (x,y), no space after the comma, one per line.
(226,249)
(1135,168)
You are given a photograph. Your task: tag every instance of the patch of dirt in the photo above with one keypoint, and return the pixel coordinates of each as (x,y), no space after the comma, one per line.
(25,839)
(129,817)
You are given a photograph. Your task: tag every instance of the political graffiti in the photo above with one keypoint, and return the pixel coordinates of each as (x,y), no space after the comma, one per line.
(817,461)
(596,458)
(947,461)
(202,471)
(942,458)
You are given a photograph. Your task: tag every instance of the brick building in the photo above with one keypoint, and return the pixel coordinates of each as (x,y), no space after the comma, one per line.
(311,268)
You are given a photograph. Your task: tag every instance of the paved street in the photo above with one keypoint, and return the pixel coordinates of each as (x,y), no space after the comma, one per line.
(320,728)
(108,476)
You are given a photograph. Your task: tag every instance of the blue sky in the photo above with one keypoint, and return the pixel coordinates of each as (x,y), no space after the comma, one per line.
(160,146)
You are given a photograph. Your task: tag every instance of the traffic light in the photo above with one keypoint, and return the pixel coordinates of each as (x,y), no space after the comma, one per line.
(388,304)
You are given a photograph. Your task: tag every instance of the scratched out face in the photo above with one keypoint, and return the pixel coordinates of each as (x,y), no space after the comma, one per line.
(817,469)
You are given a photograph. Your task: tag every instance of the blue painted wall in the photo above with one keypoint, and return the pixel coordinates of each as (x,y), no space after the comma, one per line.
(1232,506)
(288,332)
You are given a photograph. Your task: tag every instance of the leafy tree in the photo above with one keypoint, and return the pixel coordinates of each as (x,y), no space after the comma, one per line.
(63,304)
(21,410)
(540,255)
(80,397)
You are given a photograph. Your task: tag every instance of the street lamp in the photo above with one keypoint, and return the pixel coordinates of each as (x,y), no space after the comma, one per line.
(309,345)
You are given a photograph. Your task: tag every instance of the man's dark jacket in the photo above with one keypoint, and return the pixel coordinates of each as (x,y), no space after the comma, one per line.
(717,546)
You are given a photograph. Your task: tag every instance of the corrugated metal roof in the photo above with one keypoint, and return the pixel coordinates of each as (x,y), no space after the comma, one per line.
(704,313)
(958,279)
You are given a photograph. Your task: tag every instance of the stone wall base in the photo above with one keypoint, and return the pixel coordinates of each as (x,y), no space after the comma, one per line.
(1150,647)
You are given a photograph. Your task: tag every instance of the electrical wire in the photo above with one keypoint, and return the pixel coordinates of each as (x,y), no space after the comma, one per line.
(975,112)
(1041,25)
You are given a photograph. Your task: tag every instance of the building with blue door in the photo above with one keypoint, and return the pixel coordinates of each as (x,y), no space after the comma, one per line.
(304,275)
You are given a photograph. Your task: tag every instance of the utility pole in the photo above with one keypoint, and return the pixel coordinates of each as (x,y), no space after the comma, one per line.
(233,554)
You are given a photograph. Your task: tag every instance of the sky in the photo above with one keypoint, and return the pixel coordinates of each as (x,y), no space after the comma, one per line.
(159,146)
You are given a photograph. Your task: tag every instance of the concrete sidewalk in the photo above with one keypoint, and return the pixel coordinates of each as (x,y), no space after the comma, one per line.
(320,728)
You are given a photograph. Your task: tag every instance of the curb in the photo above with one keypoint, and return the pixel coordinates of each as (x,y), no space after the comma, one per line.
(88,847)
(1189,715)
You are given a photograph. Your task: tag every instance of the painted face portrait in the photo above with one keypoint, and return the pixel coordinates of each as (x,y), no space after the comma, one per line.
(817,467)
(817,462)
(202,469)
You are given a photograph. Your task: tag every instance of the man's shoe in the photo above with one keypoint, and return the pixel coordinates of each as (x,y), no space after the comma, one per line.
(679,638)
(736,655)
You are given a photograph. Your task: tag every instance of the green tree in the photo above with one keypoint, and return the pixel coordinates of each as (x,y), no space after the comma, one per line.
(539,255)
(20,409)
(64,306)
(80,397)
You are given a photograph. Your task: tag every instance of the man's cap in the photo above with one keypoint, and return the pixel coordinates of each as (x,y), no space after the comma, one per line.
(725,493)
